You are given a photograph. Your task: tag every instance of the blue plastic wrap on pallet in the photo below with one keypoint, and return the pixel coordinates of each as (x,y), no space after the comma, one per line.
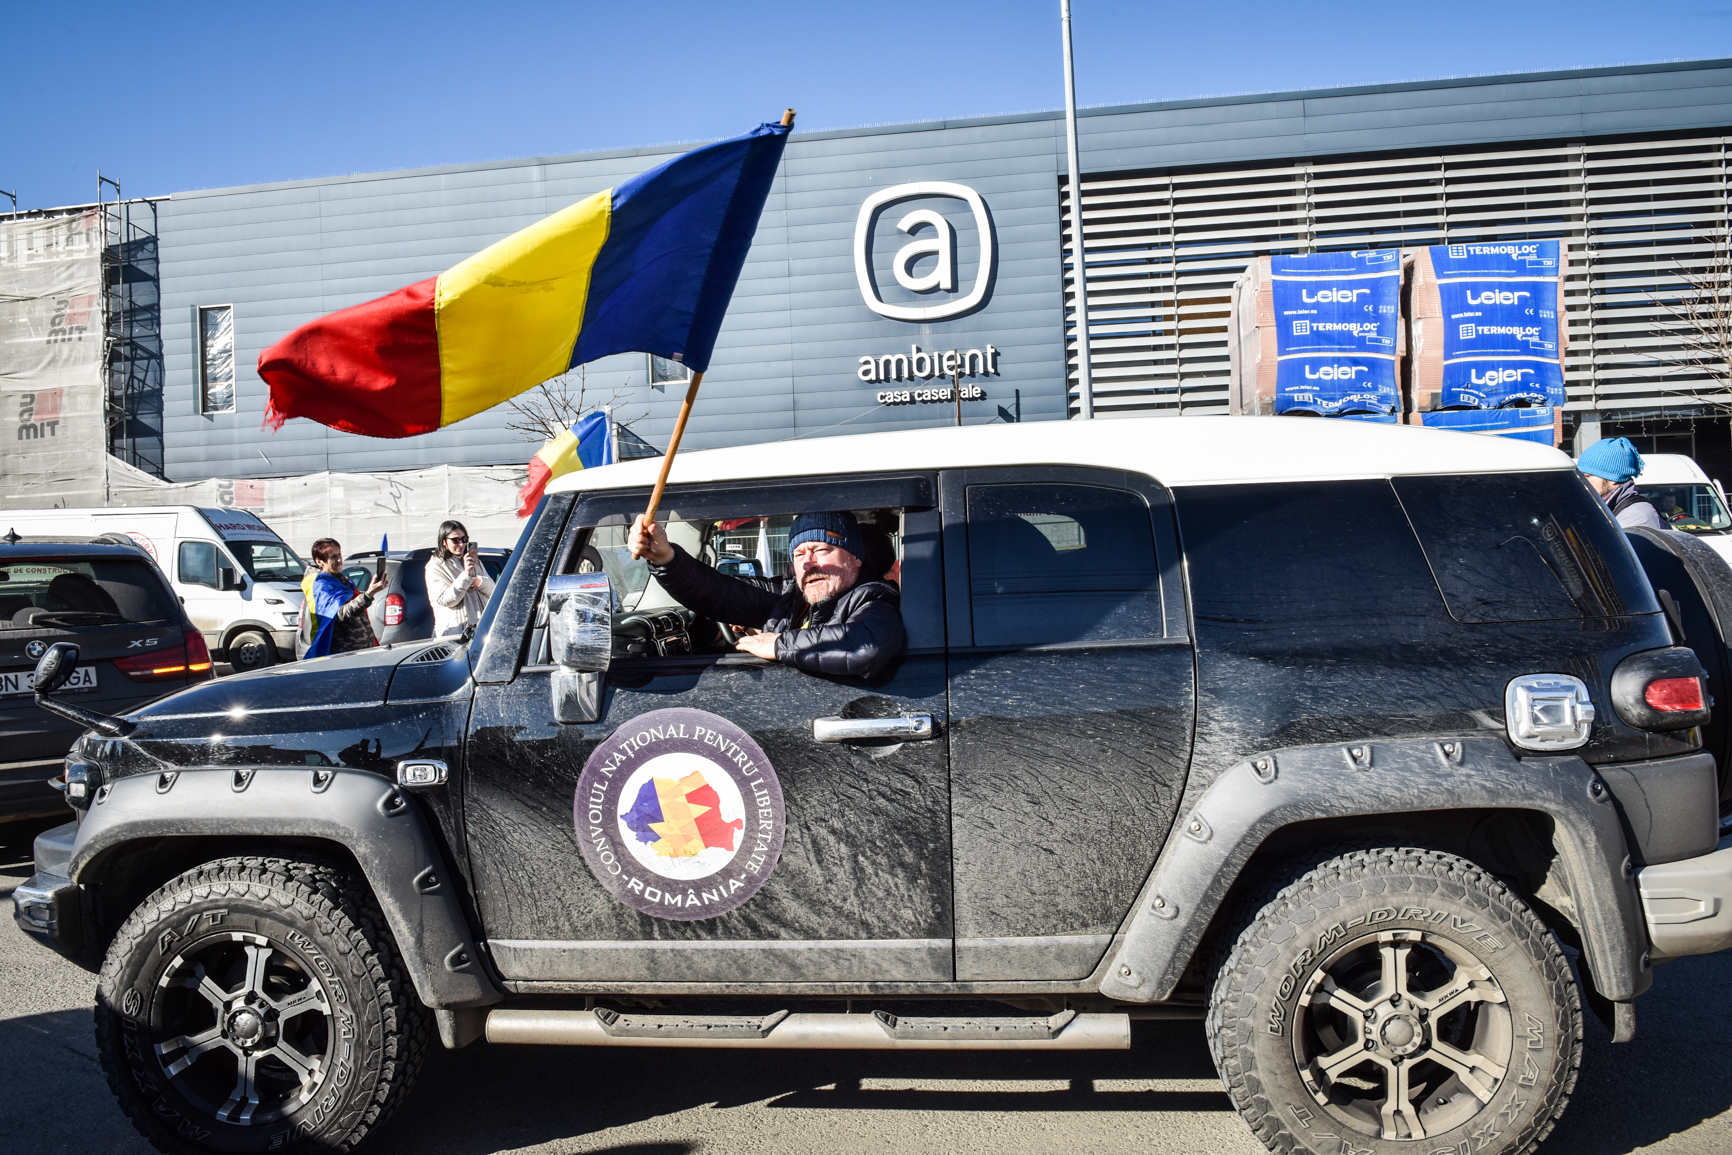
(1337,318)
(1524,424)
(1500,339)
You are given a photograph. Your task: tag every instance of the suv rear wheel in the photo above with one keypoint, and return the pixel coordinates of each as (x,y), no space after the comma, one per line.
(1395,995)
(251,650)
(258,1004)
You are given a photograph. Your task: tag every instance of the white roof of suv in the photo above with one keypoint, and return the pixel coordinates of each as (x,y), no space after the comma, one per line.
(1195,451)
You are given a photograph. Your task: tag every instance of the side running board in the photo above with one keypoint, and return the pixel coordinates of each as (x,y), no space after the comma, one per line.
(878,1031)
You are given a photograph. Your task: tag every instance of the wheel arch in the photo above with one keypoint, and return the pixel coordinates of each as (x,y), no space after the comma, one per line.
(143,830)
(1469,796)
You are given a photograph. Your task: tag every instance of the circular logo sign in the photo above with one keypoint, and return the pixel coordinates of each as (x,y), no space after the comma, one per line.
(36,649)
(680,815)
(145,543)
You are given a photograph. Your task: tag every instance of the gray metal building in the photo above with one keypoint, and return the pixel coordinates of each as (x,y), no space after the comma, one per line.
(1628,165)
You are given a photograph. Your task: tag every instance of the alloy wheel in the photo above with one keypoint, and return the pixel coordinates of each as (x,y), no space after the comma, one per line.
(246,1028)
(1403,1035)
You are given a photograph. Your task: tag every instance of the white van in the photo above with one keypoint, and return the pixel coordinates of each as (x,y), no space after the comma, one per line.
(239,581)
(1687,498)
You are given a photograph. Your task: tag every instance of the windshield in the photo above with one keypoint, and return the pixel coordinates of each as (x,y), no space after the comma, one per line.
(268,561)
(1693,508)
(36,593)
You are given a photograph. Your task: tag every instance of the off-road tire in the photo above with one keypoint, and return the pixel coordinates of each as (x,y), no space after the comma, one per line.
(250,650)
(310,925)
(1273,1016)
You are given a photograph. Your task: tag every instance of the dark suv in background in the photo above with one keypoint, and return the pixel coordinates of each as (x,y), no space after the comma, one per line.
(135,644)
(405,613)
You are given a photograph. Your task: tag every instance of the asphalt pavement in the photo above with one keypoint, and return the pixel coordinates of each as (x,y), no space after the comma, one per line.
(1669,1091)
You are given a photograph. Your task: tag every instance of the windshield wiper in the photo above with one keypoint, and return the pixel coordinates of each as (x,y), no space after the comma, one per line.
(76,617)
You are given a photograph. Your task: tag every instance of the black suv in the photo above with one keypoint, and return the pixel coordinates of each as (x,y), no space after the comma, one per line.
(1336,735)
(108,597)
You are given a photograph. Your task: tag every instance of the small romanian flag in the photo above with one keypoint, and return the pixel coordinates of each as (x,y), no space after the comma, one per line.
(647,267)
(583,446)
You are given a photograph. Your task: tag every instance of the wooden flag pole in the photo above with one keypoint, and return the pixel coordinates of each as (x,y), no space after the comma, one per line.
(685,412)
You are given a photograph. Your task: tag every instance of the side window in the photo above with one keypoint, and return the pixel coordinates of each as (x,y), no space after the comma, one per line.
(197,563)
(1060,563)
(216,358)
(1523,547)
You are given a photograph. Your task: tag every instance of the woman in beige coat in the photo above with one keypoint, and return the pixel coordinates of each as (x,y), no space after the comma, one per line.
(456,584)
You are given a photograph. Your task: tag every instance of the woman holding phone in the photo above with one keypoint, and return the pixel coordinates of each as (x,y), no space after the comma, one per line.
(456,584)
(333,612)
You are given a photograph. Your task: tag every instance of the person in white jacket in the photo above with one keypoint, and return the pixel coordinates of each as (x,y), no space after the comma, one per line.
(456,584)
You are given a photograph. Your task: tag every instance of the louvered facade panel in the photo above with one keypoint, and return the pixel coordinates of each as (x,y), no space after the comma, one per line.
(1644,223)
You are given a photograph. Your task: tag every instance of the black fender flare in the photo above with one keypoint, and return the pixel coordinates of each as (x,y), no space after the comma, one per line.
(368,815)
(1376,778)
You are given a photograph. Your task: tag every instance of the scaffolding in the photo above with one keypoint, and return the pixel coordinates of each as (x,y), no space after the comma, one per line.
(131,328)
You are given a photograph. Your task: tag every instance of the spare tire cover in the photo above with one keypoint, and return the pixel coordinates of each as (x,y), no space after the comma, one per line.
(1700,581)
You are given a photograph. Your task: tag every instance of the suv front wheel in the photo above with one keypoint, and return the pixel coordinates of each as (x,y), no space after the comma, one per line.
(257,1004)
(1397,995)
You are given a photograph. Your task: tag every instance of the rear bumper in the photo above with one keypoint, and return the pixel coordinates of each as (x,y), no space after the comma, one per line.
(1688,904)
(25,792)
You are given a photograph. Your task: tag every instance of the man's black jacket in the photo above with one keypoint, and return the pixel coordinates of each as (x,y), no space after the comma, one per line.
(852,635)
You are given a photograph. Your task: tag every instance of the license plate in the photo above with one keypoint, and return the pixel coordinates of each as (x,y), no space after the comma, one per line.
(21,682)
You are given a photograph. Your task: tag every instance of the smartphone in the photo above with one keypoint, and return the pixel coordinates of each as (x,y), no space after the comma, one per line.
(384,548)
(474,550)
(379,570)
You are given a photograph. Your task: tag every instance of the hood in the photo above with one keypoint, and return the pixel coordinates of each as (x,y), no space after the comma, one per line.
(364,710)
(349,679)
(289,590)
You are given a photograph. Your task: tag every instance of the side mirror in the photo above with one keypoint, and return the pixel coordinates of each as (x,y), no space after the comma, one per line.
(226,579)
(56,667)
(580,640)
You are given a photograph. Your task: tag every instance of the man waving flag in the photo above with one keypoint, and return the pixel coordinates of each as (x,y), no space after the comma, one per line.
(646,267)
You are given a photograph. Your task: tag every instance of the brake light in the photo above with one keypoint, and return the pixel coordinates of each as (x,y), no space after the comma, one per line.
(1672,694)
(393,609)
(161,666)
(197,655)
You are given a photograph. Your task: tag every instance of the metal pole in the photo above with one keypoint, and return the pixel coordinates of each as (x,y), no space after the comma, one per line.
(1085,377)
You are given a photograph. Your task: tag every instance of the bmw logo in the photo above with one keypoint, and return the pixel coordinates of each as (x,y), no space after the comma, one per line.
(36,649)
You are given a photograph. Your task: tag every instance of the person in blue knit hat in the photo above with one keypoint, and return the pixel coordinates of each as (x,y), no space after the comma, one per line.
(1611,467)
(820,618)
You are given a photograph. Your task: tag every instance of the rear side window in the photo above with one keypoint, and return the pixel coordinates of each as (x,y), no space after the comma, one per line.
(1524,547)
(1061,563)
(41,593)
(1292,561)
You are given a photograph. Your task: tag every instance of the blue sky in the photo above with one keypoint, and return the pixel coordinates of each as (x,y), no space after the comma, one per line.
(169,97)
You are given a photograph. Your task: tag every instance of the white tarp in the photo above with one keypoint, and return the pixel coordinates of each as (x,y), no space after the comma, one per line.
(51,382)
(355,508)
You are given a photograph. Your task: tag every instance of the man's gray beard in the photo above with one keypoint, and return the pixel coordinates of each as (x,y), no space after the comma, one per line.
(813,597)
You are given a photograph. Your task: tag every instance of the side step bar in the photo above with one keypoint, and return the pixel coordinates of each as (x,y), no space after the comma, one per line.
(878,1031)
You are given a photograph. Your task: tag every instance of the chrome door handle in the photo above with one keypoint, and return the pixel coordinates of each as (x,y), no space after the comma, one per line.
(909,726)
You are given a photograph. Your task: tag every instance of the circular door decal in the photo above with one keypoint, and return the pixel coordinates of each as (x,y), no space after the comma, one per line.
(679,815)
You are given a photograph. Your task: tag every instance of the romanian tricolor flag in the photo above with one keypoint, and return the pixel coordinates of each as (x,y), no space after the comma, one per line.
(583,446)
(646,267)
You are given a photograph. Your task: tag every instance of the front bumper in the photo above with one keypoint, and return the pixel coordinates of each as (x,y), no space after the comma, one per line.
(1688,903)
(50,906)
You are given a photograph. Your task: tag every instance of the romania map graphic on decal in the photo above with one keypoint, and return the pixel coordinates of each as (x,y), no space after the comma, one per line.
(681,817)
(679,814)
